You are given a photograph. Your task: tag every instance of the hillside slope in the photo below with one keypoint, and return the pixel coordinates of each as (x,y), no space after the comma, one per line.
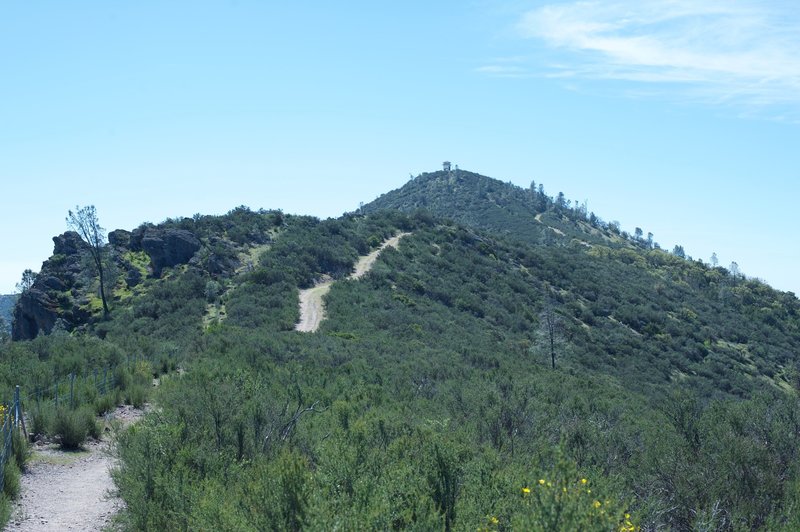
(510,338)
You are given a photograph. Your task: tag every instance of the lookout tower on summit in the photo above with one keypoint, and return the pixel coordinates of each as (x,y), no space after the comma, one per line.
(446,166)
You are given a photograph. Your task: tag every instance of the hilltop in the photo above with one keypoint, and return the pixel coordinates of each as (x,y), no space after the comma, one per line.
(510,337)
(489,204)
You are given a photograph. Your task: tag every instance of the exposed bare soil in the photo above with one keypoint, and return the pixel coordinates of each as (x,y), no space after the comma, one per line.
(312,306)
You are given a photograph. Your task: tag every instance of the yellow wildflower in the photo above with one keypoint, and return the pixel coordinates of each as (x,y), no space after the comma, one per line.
(541,481)
(584,481)
(494,520)
(597,504)
(526,490)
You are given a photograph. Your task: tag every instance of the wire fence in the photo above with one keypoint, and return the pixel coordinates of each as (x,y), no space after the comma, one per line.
(12,416)
(65,392)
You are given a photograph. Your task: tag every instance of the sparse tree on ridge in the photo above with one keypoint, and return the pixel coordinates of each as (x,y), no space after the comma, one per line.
(551,326)
(28,278)
(561,201)
(84,221)
(735,271)
(714,260)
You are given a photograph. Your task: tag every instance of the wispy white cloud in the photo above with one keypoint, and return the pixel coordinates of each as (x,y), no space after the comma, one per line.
(724,51)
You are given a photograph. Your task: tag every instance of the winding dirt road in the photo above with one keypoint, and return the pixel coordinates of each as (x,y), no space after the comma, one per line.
(312,306)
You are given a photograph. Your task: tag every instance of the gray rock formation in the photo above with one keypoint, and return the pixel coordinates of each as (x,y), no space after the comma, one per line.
(168,247)
(133,277)
(38,308)
(35,312)
(119,238)
(69,243)
(219,258)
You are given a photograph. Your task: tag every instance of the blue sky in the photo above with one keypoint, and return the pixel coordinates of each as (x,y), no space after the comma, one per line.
(679,117)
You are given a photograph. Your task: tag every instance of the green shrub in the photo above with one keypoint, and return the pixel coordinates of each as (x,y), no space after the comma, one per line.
(22,450)
(11,479)
(93,428)
(166,365)
(88,393)
(135,382)
(136,396)
(561,499)
(142,374)
(5,510)
(42,417)
(444,480)
(74,426)
(104,404)
(122,378)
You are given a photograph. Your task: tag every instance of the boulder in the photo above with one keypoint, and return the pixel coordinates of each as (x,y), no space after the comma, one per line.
(169,247)
(119,238)
(137,235)
(69,243)
(52,282)
(133,277)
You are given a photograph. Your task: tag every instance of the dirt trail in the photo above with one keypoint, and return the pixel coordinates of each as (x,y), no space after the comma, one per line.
(69,490)
(366,262)
(312,307)
(538,218)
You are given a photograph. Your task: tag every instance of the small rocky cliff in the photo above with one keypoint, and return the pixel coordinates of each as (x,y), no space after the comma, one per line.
(51,296)
(64,290)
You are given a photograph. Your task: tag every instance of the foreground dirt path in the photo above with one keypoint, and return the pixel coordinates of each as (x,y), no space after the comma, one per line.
(69,490)
(312,306)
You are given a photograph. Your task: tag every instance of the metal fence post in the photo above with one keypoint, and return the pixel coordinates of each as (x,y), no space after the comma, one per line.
(16,406)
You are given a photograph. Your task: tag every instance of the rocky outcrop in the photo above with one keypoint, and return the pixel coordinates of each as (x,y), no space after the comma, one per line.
(65,292)
(59,295)
(50,298)
(35,312)
(119,238)
(137,235)
(219,258)
(69,243)
(168,247)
